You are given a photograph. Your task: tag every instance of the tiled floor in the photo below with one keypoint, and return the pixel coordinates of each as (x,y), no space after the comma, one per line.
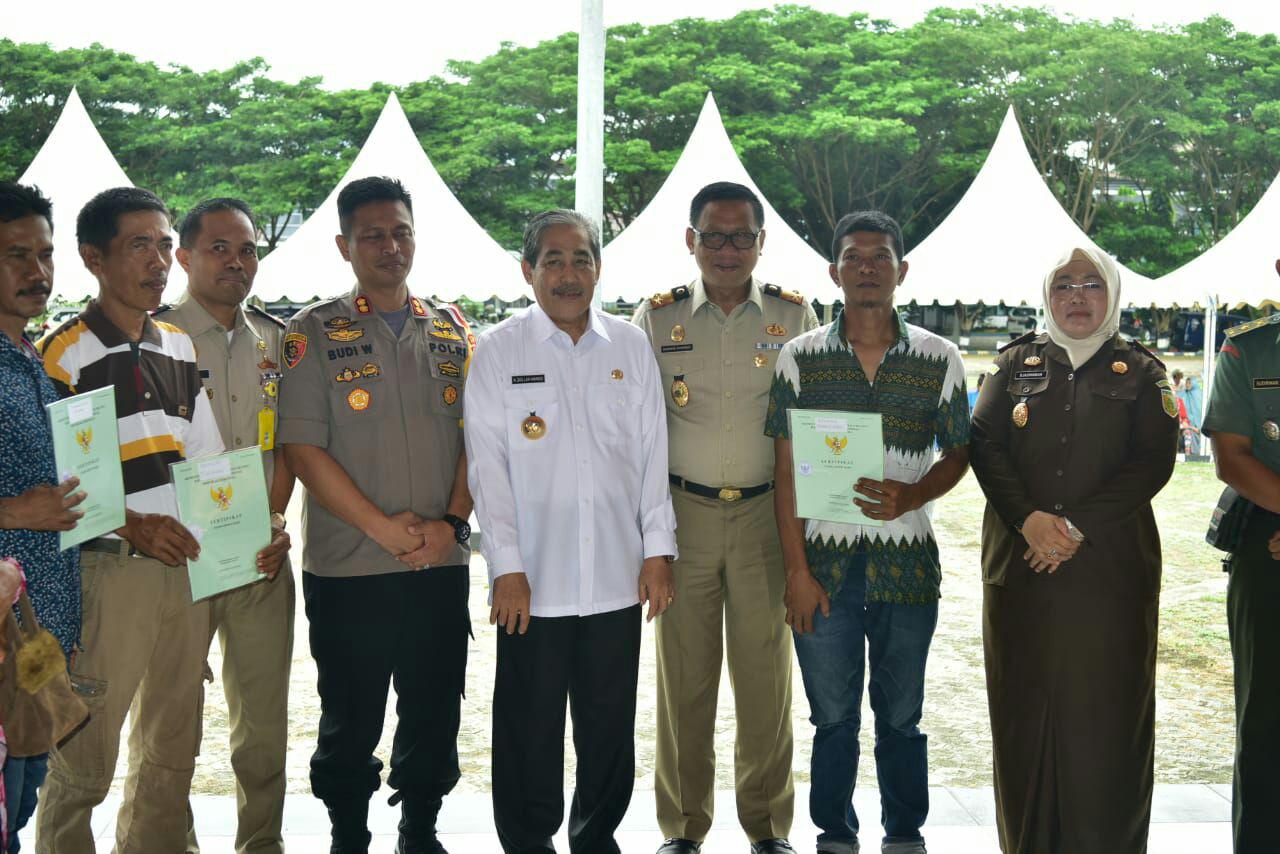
(1186,819)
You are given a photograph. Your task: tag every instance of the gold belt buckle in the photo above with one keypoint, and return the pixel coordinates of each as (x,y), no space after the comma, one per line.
(728,493)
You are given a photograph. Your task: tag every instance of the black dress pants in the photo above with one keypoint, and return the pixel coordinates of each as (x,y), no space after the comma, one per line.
(593,661)
(410,628)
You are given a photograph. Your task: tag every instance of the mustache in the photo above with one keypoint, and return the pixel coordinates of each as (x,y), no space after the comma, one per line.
(36,291)
(568,290)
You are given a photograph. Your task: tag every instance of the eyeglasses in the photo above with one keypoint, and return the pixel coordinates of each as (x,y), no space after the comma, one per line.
(1063,290)
(741,240)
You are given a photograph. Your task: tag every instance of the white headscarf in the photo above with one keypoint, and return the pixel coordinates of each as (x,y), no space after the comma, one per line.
(1079,350)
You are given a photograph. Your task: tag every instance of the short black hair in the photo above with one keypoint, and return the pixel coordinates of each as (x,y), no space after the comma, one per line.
(190,228)
(725,191)
(97,222)
(877,221)
(19,201)
(550,219)
(362,191)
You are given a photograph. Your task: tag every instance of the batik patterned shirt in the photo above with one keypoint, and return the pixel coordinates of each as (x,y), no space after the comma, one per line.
(26,460)
(919,390)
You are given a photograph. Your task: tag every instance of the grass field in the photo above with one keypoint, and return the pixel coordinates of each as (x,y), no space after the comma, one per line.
(1194,707)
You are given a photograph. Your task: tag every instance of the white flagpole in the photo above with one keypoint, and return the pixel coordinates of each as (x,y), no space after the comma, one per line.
(589,178)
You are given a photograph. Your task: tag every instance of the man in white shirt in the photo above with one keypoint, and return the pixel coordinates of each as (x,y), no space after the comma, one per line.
(567,461)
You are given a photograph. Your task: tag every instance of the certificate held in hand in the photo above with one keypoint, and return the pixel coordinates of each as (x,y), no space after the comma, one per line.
(223,502)
(830,451)
(86,444)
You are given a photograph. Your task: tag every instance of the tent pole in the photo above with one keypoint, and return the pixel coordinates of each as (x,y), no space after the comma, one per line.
(1206,373)
(589,177)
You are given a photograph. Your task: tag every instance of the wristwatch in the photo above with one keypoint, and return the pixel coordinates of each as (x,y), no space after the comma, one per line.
(461,528)
(277,521)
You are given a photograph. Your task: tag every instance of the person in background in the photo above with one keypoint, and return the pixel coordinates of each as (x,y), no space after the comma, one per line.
(143,641)
(34,507)
(238,351)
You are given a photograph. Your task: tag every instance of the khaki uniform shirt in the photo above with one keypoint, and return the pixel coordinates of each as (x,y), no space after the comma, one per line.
(242,376)
(726,363)
(1246,388)
(388,409)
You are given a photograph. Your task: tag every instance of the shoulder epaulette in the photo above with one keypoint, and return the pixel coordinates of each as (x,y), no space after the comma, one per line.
(161,310)
(1141,349)
(262,312)
(661,300)
(790,296)
(1252,325)
(1024,338)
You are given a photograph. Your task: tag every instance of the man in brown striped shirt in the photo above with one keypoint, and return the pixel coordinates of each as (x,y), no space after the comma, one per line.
(141,637)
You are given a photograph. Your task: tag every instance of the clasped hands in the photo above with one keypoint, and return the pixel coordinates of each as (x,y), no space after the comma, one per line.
(1049,541)
(414,541)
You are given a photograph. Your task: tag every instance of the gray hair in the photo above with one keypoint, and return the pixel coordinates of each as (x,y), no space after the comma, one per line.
(550,219)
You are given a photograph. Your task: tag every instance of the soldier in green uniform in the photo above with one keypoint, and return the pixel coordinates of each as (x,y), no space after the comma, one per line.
(716,341)
(238,350)
(1243,422)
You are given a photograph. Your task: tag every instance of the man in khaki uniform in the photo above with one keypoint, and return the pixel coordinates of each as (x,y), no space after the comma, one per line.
(238,353)
(370,418)
(716,341)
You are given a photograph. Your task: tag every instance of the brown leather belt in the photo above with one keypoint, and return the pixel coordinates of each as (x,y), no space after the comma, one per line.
(722,493)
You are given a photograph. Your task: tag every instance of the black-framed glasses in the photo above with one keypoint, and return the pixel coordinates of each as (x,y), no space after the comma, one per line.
(717,239)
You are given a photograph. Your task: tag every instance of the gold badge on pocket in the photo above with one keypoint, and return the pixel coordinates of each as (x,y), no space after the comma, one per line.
(677,333)
(1021,414)
(680,391)
(533,427)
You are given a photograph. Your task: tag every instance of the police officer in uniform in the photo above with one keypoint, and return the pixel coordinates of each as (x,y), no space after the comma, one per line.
(238,352)
(1243,422)
(716,340)
(370,419)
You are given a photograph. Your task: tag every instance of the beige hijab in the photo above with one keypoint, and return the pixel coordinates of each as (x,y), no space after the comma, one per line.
(1080,350)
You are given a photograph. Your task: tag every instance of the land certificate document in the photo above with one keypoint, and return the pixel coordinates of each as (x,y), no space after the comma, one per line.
(830,451)
(223,502)
(86,445)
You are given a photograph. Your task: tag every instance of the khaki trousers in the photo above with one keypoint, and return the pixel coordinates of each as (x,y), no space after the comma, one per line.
(729,585)
(255,631)
(142,653)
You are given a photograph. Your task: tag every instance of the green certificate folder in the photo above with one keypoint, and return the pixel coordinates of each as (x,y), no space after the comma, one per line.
(830,451)
(86,444)
(222,501)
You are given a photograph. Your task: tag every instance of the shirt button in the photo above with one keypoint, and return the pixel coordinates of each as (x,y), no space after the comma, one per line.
(579,426)
(728,394)
(1026,388)
(147,395)
(233,398)
(1059,472)
(1113,394)
(237,441)
(1064,440)
(728,427)
(727,461)
(1057,507)
(1071,376)
(728,362)
(1067,407)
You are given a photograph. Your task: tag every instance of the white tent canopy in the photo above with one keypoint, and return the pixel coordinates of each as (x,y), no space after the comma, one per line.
(1240,268)
(72,166)
(1010,218)
(309,265)
(649,255)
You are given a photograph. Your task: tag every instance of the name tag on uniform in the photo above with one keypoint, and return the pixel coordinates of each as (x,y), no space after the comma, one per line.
(1261,383)
(526,379)
(676,348)
(769,345)
(1030,375)
(204,373)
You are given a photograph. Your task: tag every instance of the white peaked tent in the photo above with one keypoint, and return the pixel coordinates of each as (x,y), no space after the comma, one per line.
(1000,239)
(649,255)
(455,255)
(1240,268)
(72,166)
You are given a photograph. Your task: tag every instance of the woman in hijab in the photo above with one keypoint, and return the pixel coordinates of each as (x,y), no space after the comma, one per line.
(1074,433)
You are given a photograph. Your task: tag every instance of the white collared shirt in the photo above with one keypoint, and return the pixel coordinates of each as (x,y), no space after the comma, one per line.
(579,509)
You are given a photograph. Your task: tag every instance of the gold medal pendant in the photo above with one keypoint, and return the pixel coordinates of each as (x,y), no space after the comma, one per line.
(1020,414)
(1119,368)
(533,427)
(1271,430)
(680,392)
(761,360)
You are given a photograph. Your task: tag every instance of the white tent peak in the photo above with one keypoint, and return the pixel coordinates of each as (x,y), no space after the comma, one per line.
(1241,267)
(72,166)
(1010,214)
(649,255)
(309,265)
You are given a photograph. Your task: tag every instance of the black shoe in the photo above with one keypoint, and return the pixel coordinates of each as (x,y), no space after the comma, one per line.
(677,845)
(418,824)
(350,827)
(772,846)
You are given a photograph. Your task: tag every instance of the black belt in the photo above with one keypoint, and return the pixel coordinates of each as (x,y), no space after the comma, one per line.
(108,545)
(723,493)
